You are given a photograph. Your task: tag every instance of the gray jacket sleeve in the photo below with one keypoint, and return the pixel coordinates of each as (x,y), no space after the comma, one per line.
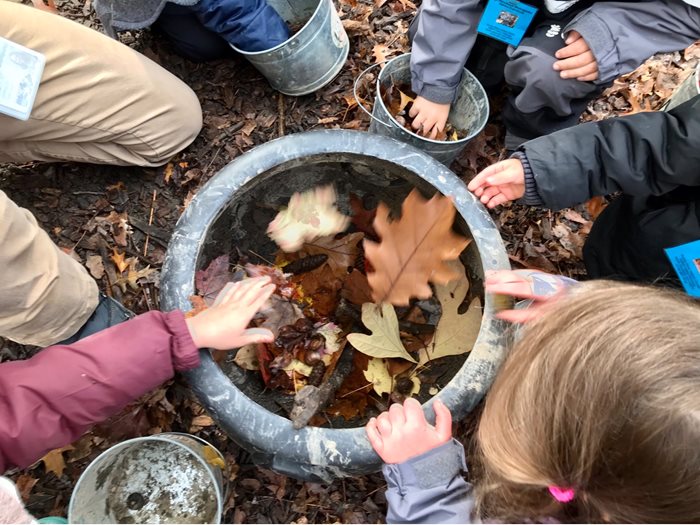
(640,155)
(443,36)
(622,35)
(430,488)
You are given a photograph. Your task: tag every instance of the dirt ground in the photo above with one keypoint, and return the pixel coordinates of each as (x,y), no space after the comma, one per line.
(83,208)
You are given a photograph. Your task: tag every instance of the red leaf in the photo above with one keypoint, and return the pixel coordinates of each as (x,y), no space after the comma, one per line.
(213,278)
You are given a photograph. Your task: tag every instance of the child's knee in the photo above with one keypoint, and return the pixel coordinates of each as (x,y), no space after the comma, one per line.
(531,71)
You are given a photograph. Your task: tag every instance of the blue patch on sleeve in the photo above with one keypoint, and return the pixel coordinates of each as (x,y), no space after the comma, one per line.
(686,261)
(506,20)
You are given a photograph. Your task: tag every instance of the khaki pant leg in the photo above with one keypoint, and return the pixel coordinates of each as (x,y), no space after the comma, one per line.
(99,101)
(45,296)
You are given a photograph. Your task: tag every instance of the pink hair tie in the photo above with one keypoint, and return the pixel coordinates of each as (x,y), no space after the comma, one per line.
(562,495)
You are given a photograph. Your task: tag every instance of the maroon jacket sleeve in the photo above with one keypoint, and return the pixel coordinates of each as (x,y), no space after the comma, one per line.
(51,399)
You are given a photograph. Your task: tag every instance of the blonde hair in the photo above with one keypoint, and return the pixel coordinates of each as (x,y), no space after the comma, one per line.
(600,394)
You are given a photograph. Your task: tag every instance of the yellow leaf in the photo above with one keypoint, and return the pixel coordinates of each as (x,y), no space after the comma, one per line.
(213,457)
(202,421)
(378,374)
(455,333)
(405,99)
(119,261)
(54,462)
(385,340)
(168,172)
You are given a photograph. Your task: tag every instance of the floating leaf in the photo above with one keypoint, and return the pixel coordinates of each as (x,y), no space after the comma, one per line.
(210,281)
(455,333)
(385,340)
(308,216)
(377,373)
(247,357)
(413,249)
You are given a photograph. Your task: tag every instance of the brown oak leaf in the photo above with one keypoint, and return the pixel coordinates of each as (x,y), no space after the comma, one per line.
(413,249)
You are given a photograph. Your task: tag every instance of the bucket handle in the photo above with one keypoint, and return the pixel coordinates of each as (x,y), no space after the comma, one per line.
(357,99)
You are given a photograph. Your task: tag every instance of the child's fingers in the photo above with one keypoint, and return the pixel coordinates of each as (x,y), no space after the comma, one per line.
(413,412)
(250,290)
(503,276)
(497,201)
(522,290)
(397,415)
(225,291)
(588,78)
(489,193)
(384,424)
(504,176)
(256,335)
(482,177)
(443,420)
(375,438)
(259,300)
(519,316)
(585,69)
(572,37)
(576,62)
(572,49)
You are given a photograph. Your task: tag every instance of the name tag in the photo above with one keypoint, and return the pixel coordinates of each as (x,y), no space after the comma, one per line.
(506,20)
(20,75)
(686,261)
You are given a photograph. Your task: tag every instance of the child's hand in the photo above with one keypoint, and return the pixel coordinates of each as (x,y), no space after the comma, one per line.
(429,118)
(499,183)
(403,432)
(576,59)
(223,326)
(539,286)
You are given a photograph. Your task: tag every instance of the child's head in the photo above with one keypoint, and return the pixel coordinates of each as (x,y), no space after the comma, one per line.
(600,394)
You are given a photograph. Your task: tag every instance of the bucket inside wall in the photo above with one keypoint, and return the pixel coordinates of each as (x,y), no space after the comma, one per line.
(469,112)
(311,57)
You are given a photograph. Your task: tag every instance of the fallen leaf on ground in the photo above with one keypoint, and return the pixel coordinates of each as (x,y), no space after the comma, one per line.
(119,261)
(308,216)
(413,249)
(25,483)
(54,462)
(385,340)
(356,288)
(96,266)
(455,333)
(202,421)
(342,253)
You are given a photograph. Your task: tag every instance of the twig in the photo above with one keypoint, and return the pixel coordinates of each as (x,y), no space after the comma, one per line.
(150,223)
(280,109)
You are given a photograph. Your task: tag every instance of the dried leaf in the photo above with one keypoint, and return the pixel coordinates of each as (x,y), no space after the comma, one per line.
(413,249)
(405,100)
(455,333)
(247,357)
(210,281)
(54,462)
(119,260)
(212,456)
(308,216)
(133,276)
(25,483)
(95,265)
(202,421)
(342,253)
(385,340)
(198,305)
(377,373)
(356,289)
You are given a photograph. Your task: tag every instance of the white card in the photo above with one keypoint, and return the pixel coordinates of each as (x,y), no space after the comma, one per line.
(20,75)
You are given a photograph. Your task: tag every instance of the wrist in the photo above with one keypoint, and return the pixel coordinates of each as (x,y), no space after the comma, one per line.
(192,328)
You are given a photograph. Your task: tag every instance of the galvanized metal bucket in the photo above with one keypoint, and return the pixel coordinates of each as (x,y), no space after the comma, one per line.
(469,112)
(167,478)
(312,57)
(688,89)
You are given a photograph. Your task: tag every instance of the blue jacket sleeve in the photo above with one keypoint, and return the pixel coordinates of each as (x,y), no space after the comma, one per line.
(430,488)
(250,25)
